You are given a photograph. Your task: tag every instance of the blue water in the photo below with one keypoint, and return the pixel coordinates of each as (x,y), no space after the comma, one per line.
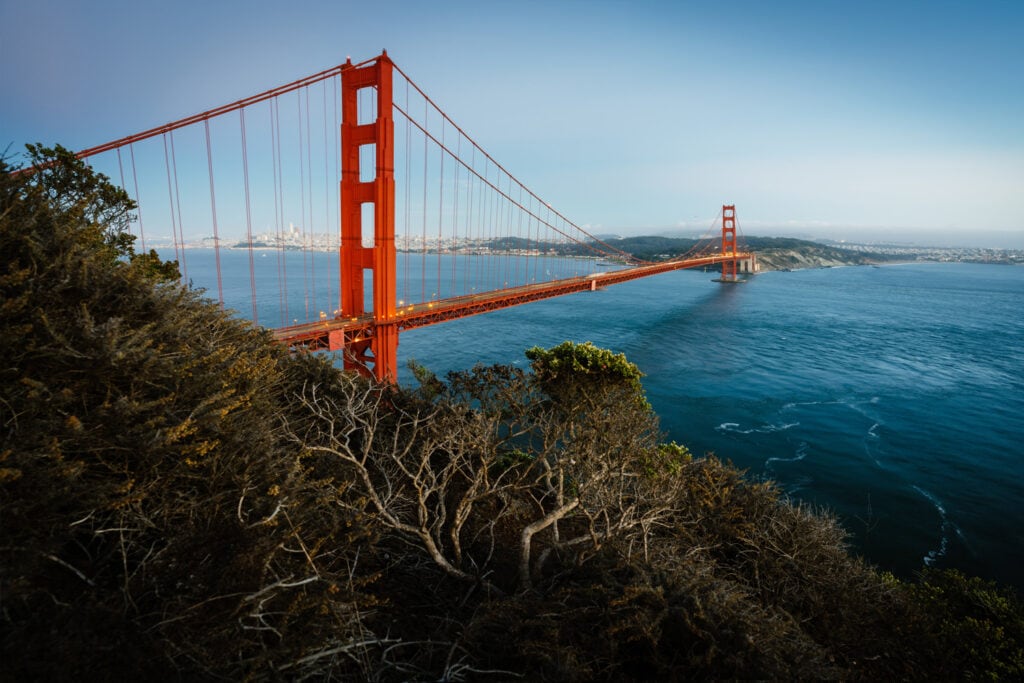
(892,396)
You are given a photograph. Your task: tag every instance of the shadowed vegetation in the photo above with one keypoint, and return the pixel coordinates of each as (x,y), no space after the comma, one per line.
(180,498)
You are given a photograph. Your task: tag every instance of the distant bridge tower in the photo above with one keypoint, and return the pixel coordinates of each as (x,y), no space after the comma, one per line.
(373,350)
(729,243)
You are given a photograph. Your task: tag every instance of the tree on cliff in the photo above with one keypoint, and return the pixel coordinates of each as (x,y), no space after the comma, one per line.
(504,470)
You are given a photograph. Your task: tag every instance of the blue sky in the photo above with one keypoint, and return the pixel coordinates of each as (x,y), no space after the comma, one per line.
(856,120)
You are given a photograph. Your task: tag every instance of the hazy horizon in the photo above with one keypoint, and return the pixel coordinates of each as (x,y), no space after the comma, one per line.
(994,239)
(1007,240)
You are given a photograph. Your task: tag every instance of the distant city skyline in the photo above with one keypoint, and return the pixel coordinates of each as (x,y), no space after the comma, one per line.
(864,122)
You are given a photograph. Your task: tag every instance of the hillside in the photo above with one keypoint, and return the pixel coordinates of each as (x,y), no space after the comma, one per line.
(773,253)
(783,253)
(182,499)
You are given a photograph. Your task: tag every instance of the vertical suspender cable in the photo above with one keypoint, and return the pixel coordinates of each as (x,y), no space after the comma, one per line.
(120,167)
(455,219)
(493,264)
(485,230)
(275,169)
(177,199)
(552,249)
(503,235)
(566,263)
(559,252)
(481,199)
(279,198)
(519,235)
(408,199)
(213,213)
(337,182)
(327,211)
(170,200)
(499,234)
(440,212)
(507,234)
(497,211)
(547,244)
(489,269)
(248,215)
(302,207)
(312,223)
(532,244)
(468,260)
(423,239)
(502,240)
(138,199)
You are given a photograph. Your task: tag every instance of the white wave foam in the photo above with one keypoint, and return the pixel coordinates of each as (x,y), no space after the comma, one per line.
(734,427)
(801,404)
(947,526)
(932,499)
(933,556)
(851,403)
(801,453)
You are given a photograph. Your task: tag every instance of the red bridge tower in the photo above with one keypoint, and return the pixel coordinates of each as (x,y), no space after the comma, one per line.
(374,353)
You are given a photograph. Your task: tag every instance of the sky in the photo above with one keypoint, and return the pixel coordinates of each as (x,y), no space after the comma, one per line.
(897,121)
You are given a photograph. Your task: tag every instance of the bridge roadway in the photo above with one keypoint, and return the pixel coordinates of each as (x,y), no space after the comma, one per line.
(316,335)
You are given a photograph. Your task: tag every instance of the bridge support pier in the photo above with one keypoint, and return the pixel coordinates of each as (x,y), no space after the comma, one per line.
(374,354)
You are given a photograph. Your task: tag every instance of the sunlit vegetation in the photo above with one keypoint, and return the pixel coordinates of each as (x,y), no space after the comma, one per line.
(180,498)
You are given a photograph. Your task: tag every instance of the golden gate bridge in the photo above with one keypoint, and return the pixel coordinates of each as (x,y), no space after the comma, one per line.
(360,149)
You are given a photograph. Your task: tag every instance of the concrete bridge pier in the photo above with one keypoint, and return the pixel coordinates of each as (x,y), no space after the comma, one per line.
(748,265)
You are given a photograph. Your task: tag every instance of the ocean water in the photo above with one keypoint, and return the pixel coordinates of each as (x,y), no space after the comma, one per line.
(892,396)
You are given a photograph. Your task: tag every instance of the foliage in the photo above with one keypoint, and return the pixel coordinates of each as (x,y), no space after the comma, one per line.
(151,507)
(582,374)
(974,623)
(180,498)
(58,184)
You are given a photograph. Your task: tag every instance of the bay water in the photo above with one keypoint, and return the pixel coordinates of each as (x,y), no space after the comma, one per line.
(891,396)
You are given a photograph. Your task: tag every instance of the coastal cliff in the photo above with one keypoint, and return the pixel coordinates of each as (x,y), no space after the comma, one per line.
(773,253)
(786,253)
(816,256)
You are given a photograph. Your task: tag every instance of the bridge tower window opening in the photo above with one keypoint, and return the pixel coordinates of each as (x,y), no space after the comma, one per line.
(368,214)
